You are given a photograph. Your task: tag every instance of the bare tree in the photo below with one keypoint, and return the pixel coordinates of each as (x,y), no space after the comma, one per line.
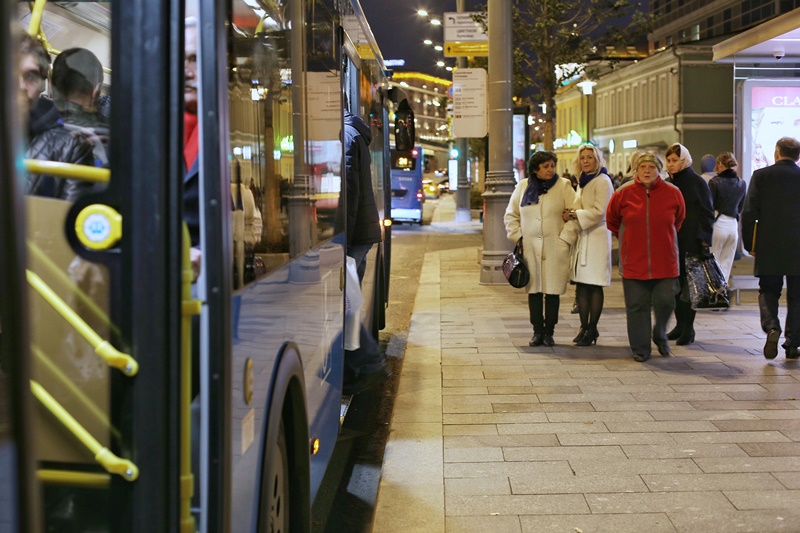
(565,34)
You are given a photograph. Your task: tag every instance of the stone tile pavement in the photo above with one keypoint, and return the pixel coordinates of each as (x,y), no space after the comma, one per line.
(489,434)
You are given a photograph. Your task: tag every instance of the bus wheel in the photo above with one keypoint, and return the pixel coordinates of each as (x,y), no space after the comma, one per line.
(279,486)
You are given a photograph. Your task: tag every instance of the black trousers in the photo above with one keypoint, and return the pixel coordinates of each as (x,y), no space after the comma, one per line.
(769,292)
(543,309)
(642,296)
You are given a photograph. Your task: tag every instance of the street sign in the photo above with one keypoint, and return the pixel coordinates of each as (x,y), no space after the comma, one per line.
(466,49)
(459,27)
(469,102)
(463,36)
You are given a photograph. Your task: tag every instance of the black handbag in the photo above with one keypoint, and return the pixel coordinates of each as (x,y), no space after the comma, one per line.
(707,286)
(515,269)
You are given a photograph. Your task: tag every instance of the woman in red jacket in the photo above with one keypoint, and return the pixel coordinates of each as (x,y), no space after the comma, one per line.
(650,211)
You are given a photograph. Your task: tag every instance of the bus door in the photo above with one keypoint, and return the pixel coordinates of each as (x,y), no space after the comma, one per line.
(103,267)
(407,195)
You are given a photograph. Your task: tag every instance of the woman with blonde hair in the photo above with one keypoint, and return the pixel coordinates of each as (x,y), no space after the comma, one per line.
(591,256)
(695,235)
(534,216)
(727,193)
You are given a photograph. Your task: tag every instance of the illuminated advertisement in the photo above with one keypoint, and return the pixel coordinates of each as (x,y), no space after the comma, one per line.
(771,110)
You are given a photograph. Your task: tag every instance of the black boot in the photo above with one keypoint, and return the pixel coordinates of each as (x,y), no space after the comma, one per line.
(537,339)
(581,333)
(674,333)
(547,338)
(590,337)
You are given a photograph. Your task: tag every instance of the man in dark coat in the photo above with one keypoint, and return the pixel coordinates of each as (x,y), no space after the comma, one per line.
(365,367)
(363,223)
(770,223)
(48,140)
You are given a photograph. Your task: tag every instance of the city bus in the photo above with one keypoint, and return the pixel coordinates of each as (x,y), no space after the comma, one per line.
(407,188)
(134,397)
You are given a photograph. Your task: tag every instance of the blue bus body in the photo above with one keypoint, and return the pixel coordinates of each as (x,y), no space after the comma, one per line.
(407,194)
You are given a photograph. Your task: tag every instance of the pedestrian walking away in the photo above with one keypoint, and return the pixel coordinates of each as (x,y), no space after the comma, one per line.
(651,212)
(695,235)
(534,215)
(727,193)
(770,223)
(590,263)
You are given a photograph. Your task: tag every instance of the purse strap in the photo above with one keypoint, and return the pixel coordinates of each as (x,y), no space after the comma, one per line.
(518,247)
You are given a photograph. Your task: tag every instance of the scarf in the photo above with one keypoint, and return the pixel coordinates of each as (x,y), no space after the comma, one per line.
(190,139)
(535,188)
(586,178)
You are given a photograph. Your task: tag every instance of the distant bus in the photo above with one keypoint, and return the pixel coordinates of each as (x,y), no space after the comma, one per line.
(407,195)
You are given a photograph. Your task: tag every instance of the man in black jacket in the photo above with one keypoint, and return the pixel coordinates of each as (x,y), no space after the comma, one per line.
(770,223)
(366,365)
(47,138)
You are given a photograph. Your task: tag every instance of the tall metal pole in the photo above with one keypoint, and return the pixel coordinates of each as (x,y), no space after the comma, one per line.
(500,177)
(462,193)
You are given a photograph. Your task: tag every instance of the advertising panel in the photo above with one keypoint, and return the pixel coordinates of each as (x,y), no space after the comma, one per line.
(771,110)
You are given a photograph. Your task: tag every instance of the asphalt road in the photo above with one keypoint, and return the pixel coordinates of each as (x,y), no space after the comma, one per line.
(346,501)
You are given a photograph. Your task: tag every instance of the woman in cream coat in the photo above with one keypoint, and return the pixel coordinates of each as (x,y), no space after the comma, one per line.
(591,255)
(534,215)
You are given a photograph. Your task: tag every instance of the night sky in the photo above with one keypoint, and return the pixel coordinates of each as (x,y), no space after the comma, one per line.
(400,31)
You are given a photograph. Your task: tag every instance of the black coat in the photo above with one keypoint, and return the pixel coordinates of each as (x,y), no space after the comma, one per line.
(363,222)
(772,201)
(699,224)
(49,140)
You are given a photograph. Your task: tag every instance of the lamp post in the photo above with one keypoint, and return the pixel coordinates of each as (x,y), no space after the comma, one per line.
(500,177)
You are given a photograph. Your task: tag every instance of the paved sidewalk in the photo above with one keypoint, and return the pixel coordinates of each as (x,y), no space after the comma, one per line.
(489,434)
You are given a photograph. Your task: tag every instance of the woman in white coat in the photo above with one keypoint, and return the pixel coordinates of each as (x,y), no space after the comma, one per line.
(534,215)
(591,256)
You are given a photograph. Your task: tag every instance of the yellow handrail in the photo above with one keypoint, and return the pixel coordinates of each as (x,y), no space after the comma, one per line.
(68,170)
(59,274)
(35,25)
(76,392)
(105,457)
(73,479)
(189,307)
(102,347)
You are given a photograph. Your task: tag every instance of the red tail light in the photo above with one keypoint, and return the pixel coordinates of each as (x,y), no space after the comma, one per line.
(419,194)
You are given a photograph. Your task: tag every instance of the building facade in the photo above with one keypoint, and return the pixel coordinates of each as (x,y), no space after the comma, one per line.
(683,21)
(677,95)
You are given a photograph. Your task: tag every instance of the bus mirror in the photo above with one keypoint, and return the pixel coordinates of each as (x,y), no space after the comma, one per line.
(404,135)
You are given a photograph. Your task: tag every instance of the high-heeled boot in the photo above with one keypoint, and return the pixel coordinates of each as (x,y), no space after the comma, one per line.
(581,333)
(589,338)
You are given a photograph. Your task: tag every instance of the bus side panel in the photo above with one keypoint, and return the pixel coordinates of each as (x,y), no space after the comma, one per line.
(300,303)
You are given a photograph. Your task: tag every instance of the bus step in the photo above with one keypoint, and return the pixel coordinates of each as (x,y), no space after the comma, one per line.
(343,407)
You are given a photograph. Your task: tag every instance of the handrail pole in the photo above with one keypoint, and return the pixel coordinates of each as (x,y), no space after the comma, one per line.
(105,457)
(102,347)
(70,386)
(189,307)
(68,170)
(36,17)
(42,257)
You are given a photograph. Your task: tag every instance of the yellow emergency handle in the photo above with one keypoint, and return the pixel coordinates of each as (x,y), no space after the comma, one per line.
(68,170)
(104,457)
(102,347)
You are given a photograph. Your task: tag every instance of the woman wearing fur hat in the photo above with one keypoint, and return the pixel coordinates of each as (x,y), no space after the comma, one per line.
(695,234)
(651,212)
